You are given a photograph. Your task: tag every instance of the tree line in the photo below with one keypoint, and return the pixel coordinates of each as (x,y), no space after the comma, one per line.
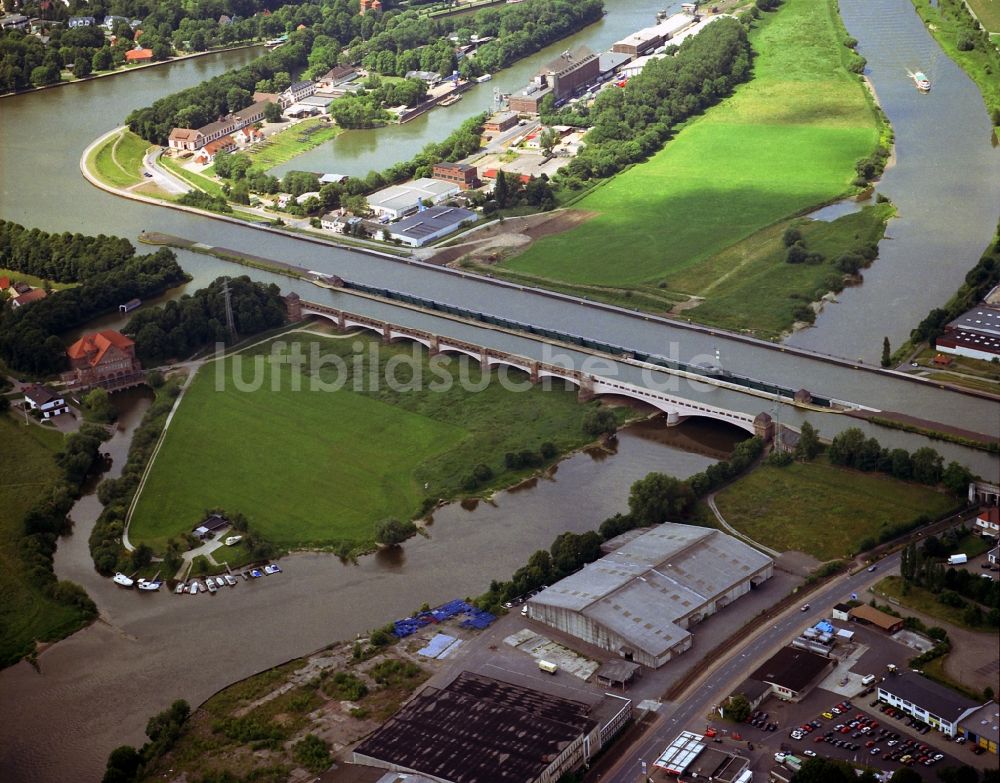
(631,123)
(184,325)
(925,465)
(29,336)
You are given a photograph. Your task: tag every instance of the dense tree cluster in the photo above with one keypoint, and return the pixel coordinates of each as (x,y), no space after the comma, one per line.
(183,325)
(851,449)
(631,123)
(367,108)
(63,258)
(523,29)
(29,336)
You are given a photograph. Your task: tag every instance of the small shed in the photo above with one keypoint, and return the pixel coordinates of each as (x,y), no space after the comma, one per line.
(212,525)
(617,673)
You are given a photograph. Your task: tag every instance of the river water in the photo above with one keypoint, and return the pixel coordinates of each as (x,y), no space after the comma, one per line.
(945,183)
(97,688)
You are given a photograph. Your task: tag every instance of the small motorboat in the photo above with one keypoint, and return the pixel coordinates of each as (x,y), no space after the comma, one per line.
(210,583)
(272,568)
(148,586)
(230,580)
(256,573)
(193,589)
(122,581)
(179,589)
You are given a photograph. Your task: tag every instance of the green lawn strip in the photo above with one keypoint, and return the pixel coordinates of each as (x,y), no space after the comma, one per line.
(319,468)
(102,164)
(129,152)
(982,63)
(988,13)
(755,289)
(291,142)
(990,387)
(922,600)
(29,472)
(820,509)
(236,555)
(199,181)
(785,141)
(644,297)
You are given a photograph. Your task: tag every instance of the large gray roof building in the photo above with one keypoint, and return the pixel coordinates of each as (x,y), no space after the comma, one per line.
(640,600)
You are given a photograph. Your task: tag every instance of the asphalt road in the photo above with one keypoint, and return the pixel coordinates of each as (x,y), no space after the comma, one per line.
(690,713)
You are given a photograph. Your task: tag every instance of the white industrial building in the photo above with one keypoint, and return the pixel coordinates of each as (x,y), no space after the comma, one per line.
(398,200)
(639,601)
(429,224)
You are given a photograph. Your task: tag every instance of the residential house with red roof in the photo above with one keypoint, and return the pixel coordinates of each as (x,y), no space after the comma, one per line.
(33,295)
(105,358)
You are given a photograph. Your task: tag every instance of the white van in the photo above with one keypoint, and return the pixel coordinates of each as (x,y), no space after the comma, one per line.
(547,667)
(868,679)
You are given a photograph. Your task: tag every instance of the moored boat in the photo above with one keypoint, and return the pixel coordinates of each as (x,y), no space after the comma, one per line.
(210,583)
(230,580)
(148,586)
(122,581)
(179,589)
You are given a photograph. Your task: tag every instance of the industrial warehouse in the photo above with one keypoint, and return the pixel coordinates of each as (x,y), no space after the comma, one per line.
(482,730)
(639,600)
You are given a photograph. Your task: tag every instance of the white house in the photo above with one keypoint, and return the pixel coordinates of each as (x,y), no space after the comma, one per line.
(338,224)
(939,707)
(44,400)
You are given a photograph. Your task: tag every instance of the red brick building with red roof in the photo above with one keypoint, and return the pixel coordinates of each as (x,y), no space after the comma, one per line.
(104,358)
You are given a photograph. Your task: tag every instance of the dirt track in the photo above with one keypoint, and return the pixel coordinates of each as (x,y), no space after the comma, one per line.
(514,235)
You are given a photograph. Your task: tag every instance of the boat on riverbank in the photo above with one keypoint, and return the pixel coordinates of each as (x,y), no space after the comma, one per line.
(122,580)
(920,79)
(451,100)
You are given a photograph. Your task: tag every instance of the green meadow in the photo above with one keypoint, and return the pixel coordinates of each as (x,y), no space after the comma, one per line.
(785,141)
(785,508)
(318,468)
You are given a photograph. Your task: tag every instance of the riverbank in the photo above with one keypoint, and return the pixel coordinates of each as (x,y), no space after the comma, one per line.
(755,153)
(950,23)
(129,69)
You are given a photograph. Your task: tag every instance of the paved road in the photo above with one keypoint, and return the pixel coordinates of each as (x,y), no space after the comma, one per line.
(691,712)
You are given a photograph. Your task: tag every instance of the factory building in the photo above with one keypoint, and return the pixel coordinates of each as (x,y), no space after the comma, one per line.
(640,600)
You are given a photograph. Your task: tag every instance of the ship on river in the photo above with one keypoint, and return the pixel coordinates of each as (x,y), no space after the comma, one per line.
(921,80)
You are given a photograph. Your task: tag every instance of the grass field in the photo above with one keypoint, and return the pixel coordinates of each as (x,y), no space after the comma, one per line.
(315,468)
(291,142)
(921,600)
(28,470)
(820,509)
(119,159)
(785,141)
(750,287)
(988,13)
